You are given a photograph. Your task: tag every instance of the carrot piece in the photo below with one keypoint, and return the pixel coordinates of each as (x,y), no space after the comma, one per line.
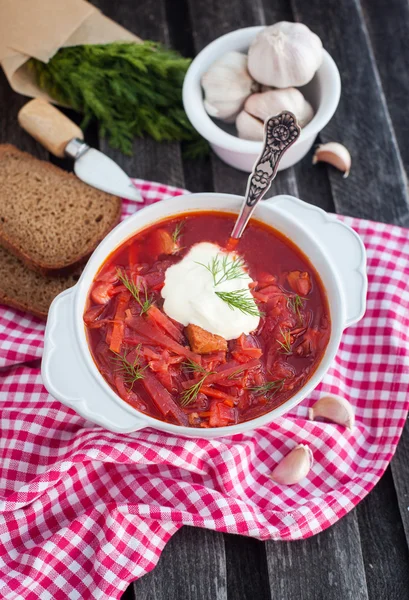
(157,317)
(300,282)
(214,393)
(101,293)
(221,414)
(161,242)
(118,329)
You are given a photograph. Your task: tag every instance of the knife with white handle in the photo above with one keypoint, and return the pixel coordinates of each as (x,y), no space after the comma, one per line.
(60,136)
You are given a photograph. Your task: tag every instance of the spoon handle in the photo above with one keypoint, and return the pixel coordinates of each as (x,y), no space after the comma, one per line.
(280,132)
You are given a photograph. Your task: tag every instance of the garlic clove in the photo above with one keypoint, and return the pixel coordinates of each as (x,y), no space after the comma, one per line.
(272,102)
(335,154)
(226,86)
(285,55)
(249,128)
(335,409)
(294,466)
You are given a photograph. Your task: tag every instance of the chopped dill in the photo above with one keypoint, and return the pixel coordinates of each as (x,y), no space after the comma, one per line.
(225,268)
(177,232)
(285,343)
(269,388)
(144,303)
(295,304)
(190,394)
(241,300)
(132,372)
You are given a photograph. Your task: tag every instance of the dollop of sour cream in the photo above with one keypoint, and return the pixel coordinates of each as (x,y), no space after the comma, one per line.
(190,294)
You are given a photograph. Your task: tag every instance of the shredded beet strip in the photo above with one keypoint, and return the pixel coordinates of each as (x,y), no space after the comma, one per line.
(162,399)
(229,369)
(159,338)
(160,319)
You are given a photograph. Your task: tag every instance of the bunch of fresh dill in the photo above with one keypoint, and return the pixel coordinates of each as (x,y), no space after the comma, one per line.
(131,89)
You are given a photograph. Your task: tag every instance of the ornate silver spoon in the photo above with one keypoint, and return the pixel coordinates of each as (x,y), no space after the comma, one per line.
(280,132)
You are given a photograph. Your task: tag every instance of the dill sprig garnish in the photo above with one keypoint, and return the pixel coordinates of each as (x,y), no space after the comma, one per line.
(268,389)
(193,367)
(285,343)
(177,232)
(241,300)
(225,268)
(131,89)
(132,372)
(130,285)
(236,373)
(190,394)
(295,304)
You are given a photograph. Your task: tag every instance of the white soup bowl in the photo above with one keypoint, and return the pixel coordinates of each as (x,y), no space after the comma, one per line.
(334,249)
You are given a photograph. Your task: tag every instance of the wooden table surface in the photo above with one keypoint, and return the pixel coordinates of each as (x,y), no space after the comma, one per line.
(365,555)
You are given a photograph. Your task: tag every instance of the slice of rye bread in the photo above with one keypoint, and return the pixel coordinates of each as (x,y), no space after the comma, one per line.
(29,291)
(49,218)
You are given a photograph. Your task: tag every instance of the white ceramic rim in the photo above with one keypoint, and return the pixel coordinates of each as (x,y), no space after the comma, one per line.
(195,203)
(201,121)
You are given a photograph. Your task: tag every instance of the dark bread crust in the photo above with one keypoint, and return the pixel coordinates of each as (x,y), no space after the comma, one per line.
(23,306)
(27,290)
(66,180)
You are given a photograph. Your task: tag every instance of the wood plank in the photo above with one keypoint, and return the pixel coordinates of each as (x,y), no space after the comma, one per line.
(162,162)
(376,186)
(210,20)
(10,131)
(305,557)
(213,18)
(393,65)
(392,59)
(384,549)
(150,160)
(246,569)
(197,173)
(189,568)
(400,472)
(327,566)
(314,188)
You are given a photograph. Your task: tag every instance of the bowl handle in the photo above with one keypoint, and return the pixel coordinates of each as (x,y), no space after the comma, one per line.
(67,377)
(343,247)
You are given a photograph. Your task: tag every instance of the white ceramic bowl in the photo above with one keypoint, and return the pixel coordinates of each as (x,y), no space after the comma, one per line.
(69,372)
(323,92)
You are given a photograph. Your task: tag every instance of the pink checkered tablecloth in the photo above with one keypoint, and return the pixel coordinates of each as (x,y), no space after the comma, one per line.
(85,511)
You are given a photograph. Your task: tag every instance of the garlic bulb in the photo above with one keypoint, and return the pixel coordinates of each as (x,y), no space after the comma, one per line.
(294,466)
(249,128)
(335,409)
(334,154)
(285,55)
(226,85)
(262,106)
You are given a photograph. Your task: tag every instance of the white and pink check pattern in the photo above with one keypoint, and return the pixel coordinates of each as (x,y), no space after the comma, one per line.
(85,511)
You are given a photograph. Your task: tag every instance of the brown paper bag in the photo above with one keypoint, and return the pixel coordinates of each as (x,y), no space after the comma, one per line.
(38,28)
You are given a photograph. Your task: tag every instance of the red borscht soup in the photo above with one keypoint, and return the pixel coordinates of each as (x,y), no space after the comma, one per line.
(193,334)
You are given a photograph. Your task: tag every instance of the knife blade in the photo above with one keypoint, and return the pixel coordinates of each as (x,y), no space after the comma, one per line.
(60,136)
